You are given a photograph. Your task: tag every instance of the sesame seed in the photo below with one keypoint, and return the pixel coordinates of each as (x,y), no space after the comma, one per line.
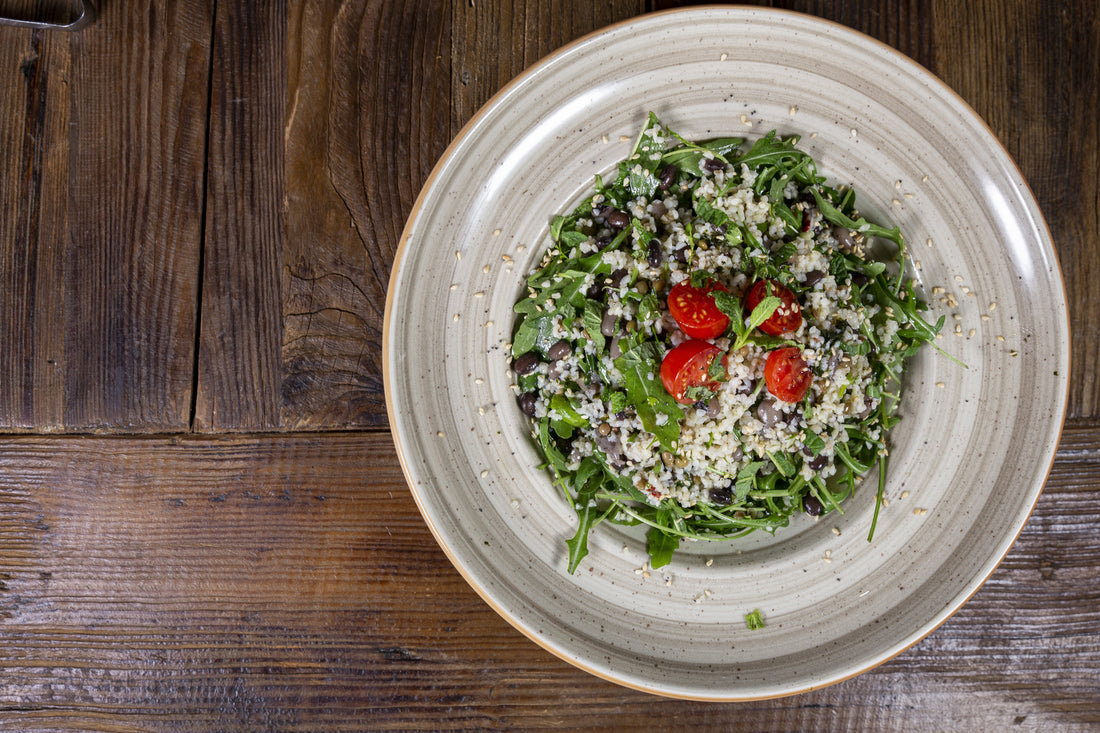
(506,258)
(456,317)
(745,121)
(928,241)
(604,140)
(488,324)
(897,185)
(710,561)
(924,179)
(793,110)
(486,269)
(940,385)
(496,232)
(458,255)
(479,294)
(836,531)
(986,317)
(905,495)
(454,286)
(895,202)
(441,434)
(993,305)
(624,139)
(484,473)
(971,333)
(813,135)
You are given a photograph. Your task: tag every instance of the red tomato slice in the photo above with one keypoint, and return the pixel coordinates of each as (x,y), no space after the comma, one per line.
(787,374)
(787,318)
(695,311)
(687,366)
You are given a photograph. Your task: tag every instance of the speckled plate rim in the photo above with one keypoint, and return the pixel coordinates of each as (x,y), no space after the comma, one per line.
(934,623)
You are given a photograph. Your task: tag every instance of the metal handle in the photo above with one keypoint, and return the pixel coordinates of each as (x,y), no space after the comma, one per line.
(87,15)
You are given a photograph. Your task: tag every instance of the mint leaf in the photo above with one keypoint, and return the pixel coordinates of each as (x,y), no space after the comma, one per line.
(641,367)
(660,547)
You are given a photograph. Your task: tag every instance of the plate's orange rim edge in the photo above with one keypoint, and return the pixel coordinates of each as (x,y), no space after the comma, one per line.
(399,253)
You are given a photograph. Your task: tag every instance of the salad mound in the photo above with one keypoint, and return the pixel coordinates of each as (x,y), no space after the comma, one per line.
(713,342)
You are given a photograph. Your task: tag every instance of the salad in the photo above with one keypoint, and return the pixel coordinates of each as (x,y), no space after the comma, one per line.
(714,341)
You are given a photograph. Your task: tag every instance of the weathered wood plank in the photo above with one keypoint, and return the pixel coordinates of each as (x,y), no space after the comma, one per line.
(239,369)
(1032,70)
(99,231)
(282,582)
(377,91)
(368,117)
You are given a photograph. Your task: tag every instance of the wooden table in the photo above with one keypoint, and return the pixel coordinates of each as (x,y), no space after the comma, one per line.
(203,523)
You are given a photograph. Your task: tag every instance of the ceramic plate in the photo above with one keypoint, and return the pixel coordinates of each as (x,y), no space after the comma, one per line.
(967,462)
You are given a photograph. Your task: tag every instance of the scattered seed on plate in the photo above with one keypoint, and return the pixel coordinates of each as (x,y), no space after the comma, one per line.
(710,561)
(905,495)
(972,333)
(836,531)
(484,473)
(940,385)
(441,434)
(456,317)
(458,255)
(794,109)
(496,232)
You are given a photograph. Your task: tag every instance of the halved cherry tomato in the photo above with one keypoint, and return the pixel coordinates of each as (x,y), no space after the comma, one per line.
(688,366)
(695,311)
(787,318)
(787,375)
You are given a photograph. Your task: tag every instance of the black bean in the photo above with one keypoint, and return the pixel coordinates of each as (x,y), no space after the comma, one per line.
(602,242)
(818,462)
(843,237)
(559,350)
(615,279)
(699,404)
(721,497)
(607,325)
(713,164)
(767,412)
(525,364)
(747,386)
(668,175)
(527,403)
(655,256)
(812,506)
(859,278)
(595,291)
(658,209)
(618,219)
(813,277)
(681,255)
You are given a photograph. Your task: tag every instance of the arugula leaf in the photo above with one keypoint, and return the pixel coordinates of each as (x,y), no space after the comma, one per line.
(640,367)
(834,216)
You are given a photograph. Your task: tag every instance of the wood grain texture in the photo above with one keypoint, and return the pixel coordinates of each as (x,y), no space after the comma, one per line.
(239,370)
(1032,71)
(288,583)
(367,120)
(103,136)
(377,91)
